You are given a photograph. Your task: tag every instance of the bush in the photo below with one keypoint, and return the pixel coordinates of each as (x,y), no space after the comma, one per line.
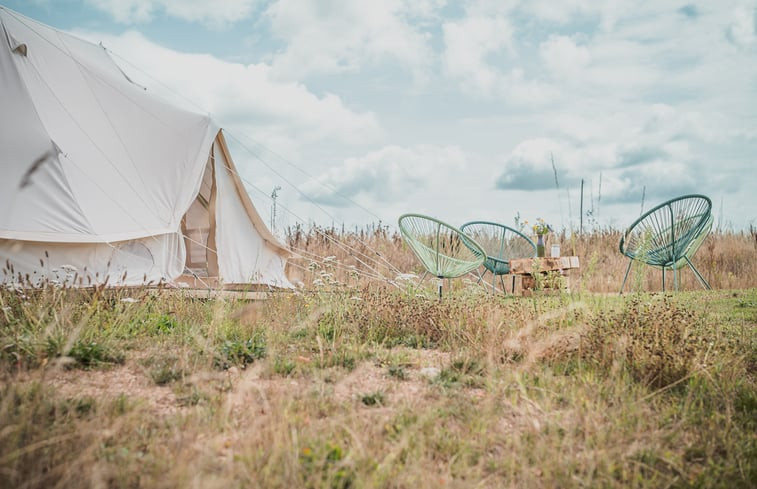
(92,354)
(656,342)
(240,352)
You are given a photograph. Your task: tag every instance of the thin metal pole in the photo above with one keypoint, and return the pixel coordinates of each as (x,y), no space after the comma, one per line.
(581,228)
(699,276)
(626,276)
(663,279)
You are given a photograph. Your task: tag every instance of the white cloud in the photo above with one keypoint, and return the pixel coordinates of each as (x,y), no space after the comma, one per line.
(245,97)
(423,9)
(489,8)
(606,13)
(126,11)
(392,173)
(529,165)
(468,43)
(560,12)
(337,37)
(563,56)
(627,170)
(651,148)
(470,46)
(743,28)
(211,12)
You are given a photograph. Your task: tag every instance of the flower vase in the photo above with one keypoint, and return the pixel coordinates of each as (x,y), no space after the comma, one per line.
(540,245)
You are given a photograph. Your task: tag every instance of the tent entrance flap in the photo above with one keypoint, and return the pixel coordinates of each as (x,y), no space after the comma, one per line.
(199,227)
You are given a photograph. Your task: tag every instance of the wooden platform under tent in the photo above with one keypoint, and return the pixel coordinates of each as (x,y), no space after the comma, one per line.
(211,288)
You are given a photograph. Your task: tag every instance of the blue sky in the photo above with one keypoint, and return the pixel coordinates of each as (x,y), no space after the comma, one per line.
(362,110)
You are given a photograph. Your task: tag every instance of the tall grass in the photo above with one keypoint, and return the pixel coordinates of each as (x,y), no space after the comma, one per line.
(378,386)
(727,260)
(356,382)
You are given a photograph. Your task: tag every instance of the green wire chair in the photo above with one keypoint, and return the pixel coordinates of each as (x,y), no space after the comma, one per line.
(443,250)
(501,244)
(668,235)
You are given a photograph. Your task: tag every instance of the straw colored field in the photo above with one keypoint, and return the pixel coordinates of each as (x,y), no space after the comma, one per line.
(727,260)
(376,386)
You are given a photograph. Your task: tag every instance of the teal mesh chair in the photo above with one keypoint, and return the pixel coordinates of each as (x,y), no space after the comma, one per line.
(501,244)
(443,250)
(668,236)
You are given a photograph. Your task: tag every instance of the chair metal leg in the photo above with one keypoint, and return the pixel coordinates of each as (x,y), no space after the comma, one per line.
(675,279)
(630,262)
(663,279)
(420,282)
(480,276)
(502,279)
(513,289)
(423,277)
(702,281)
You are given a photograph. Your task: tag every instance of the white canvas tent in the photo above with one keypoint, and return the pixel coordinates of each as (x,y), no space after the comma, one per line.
(98,178)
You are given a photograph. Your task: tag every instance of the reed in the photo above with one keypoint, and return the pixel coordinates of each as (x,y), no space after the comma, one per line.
(726,259)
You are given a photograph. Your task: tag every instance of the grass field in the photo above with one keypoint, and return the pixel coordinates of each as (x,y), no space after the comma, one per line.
(358,383)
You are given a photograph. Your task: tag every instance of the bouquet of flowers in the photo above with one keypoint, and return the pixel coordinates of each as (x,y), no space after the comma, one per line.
(541,227)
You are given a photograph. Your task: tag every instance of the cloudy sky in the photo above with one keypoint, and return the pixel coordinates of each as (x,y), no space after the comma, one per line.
(484,109)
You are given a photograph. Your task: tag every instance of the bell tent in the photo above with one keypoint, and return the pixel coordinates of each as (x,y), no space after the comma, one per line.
(100,180)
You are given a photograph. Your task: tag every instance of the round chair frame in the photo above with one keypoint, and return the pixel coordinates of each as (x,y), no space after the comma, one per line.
(443,250)
(508,244)
(668,235)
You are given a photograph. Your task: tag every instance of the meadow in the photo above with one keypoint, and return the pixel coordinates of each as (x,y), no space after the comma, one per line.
(360,378)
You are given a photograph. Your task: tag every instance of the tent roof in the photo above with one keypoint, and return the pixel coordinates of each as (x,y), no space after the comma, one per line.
(87,155)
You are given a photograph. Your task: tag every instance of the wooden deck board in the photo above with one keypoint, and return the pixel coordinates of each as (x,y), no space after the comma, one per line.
(214,294)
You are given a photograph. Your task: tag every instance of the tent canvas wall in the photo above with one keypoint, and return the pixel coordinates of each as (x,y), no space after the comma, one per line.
(99,179)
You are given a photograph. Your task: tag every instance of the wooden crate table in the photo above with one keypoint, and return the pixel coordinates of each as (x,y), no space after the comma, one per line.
(526,267)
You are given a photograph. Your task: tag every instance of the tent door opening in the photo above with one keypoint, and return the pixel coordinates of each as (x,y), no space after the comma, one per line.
(199,228)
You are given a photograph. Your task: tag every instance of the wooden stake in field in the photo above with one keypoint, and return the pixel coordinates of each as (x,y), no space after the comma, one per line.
(581,209)
(643,194)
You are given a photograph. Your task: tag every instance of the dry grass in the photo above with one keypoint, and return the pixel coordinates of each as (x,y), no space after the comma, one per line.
(378,387)
(355,382)
(726,260)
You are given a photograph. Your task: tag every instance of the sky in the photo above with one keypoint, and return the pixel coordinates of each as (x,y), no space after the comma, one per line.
(362,110)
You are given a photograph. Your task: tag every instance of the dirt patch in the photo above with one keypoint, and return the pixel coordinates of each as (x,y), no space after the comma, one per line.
(248,389)
(106,385)
(249,392)
(368,377)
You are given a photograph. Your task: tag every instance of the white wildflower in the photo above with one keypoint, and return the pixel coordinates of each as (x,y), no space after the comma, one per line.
(406,276)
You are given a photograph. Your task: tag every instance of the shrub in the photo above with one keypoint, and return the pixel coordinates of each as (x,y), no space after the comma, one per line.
(655,341)
(240,352)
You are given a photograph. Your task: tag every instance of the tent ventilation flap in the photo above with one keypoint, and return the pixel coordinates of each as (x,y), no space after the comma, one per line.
(18,47)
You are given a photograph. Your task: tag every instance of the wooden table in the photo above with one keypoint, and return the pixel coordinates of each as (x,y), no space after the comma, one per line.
(526,267)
